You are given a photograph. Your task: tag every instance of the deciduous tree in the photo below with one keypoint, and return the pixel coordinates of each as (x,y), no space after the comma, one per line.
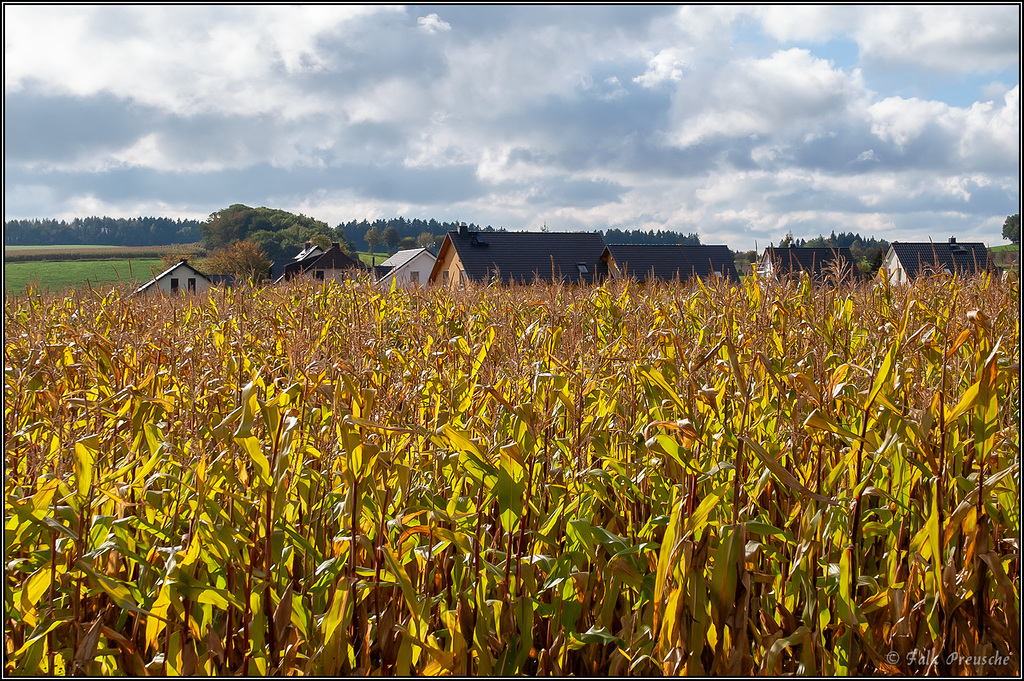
(242,259)
(372,239)
(425,240)
(1011,228)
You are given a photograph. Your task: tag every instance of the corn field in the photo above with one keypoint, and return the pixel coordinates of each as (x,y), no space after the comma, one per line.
(767,478)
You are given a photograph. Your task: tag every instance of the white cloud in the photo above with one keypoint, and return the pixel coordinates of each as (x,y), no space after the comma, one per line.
(666,66)
(983,135)
(901,121)
(814,23)
(956,38)
(78,205)
(433,23)
(789,90)
(235,60)
(945,37)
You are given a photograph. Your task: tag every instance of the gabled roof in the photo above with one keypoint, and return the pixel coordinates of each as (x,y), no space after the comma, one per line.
(332,259)
(393,266)
(181,263)
(965,258)
(402,257)
(814,261)
(667,262)
(525,256)
(335,259)
(308,251)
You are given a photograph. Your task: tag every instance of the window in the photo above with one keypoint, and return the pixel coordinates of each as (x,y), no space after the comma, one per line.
(444,277)
(191,284)
(320,275)
(462,278)
(414,277)
(582,267)
(174,285)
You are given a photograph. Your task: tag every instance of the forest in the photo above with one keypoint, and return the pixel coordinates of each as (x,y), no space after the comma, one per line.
(102,231)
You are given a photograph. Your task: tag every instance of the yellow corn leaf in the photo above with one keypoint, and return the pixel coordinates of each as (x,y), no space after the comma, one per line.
(156,622)
(782,474)
(700,514)
(86,450)
(33,589)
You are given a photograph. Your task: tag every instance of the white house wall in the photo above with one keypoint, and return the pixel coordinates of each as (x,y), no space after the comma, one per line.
(766,268)
(894,268)
(182,274)
(416,272)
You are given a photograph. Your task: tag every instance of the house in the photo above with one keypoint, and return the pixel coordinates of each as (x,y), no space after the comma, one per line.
(671,262)
(178,278)
(817,262)
(278,266)
(481,257)
(405,268)
(906,261)
(316,263)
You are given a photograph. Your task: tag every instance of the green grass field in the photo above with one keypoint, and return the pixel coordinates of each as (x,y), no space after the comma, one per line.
(378,258)
(55,275)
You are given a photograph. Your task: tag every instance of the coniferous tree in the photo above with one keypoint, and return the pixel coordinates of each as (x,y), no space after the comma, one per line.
(390,237)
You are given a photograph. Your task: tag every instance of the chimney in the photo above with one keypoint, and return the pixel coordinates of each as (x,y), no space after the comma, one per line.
(308,245)
(952,239)
(463,229)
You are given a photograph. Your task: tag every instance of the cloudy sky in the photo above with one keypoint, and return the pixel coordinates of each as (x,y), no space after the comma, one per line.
(738,123)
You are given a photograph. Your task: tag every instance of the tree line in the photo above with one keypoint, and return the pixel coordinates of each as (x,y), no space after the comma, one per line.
(869,252)
(279,234)
(102,231)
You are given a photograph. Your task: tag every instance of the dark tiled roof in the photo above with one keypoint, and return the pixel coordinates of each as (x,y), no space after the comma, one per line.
(526,256)
(277,267)
(332,259)
(227,280)
(335,259)
(814,261)
(667,262)
(965,258)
